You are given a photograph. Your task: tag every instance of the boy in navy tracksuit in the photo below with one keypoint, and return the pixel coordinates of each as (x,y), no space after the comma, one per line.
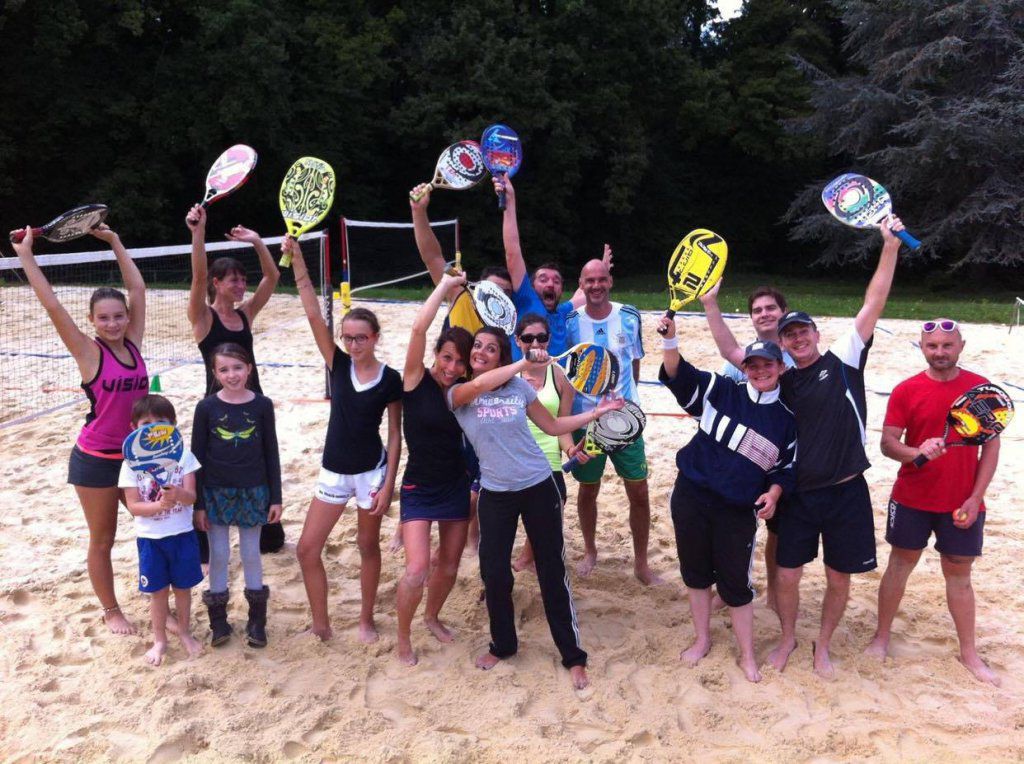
(731,473)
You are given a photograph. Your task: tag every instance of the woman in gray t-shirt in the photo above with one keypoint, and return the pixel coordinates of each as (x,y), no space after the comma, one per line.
(515,481)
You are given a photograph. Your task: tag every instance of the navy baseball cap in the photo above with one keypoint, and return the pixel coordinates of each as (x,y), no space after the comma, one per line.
(794,317)
(762,349)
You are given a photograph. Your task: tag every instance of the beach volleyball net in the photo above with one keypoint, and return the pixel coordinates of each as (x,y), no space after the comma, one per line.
(38,375)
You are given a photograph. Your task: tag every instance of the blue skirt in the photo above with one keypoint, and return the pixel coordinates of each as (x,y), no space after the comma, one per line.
(244,507)
(445,501)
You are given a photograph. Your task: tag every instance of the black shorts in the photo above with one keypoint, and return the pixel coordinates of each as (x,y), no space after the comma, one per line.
(909,528)
(715,541)
(90,471)
(841,515)
(443,502)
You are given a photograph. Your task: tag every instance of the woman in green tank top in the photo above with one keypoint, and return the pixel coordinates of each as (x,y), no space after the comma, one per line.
(556,395)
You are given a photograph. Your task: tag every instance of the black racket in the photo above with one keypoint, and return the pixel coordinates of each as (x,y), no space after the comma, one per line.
(69,225)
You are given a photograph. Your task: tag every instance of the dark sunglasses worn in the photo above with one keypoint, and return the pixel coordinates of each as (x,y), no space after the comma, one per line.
(529,339)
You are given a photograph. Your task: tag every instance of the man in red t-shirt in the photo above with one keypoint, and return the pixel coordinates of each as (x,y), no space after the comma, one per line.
(944,496)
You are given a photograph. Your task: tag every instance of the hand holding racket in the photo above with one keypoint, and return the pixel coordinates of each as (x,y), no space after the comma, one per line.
(68,225)
(503,153)
(860,202)
(460,167)
(306,196)
(228,173)
(156,450)
(695,267)
(977,416)
(590,369)
(615,427)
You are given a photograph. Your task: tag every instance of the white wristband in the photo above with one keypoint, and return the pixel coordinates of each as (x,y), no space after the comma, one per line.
(671,343)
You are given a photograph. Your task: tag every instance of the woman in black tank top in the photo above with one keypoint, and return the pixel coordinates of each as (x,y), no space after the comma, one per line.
(220,321)
(435,487)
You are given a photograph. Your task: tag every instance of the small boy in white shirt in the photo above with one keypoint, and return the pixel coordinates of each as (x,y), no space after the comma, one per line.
(167,542)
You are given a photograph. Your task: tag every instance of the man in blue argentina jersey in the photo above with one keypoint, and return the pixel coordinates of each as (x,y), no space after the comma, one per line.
(617,327)
(542,293)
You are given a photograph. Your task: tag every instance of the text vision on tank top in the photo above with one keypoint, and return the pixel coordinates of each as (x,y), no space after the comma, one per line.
(218,335)
(111,394)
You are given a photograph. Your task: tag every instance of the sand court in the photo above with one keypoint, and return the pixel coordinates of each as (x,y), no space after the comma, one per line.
(71,690)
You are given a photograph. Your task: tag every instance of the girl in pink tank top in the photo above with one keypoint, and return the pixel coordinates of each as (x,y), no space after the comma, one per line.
(116,377)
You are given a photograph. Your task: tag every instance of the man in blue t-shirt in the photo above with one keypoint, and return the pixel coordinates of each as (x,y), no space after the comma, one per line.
(543,293)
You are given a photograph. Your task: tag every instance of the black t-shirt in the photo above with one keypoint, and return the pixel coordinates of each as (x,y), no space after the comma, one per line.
(353,442)
(236,444)
(220,334)
(830,405)
(433,438)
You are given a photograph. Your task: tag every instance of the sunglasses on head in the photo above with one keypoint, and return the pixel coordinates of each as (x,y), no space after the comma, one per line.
(529,339)
(930,326)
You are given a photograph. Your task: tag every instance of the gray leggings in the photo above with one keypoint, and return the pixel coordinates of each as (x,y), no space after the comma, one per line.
(220,553)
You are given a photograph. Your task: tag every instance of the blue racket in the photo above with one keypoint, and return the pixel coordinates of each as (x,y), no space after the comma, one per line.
(503,153)
(590,369)
(155,449)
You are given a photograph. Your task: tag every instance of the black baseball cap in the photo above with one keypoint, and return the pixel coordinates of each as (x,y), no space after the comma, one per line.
(794,317)
(762,349)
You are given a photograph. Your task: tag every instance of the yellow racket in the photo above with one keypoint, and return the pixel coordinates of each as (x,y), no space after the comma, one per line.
(307,193)
(694,268)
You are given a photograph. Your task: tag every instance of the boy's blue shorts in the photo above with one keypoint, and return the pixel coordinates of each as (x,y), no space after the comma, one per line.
(170,561)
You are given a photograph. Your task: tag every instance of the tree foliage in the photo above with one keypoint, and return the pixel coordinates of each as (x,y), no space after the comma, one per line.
(935,111)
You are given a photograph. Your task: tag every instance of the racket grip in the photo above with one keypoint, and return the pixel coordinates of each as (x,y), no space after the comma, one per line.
(19,236)
(669,314)
(570,465)
(286,260)
(417,197)
(921,460)
(909,240)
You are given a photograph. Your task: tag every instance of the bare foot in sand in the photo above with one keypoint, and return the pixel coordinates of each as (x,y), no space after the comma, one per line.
(778,657)
(580,680)
(586,566)
(487,661)
(646,576)
(155,654)
(191,645)
(717,603)
(368,632)
(691,656)
(878,647)
(438,629)
(323,633)
(980,669)
(405,652)
(822,662)
(118,624)
(396,542)
(750,670)
(172,624)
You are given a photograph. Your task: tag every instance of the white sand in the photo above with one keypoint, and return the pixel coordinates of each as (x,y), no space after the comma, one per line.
(71,690)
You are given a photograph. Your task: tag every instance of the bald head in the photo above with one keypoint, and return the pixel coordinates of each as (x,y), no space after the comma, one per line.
(596,283)
(941,346)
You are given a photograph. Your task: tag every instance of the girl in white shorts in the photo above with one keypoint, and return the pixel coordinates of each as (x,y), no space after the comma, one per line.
(355,463)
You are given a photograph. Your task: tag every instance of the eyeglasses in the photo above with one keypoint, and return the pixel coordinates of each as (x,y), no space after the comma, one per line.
(529,339)
(930,326)
(355,339)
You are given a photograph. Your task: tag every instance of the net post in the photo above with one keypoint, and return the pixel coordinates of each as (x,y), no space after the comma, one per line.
(327,295)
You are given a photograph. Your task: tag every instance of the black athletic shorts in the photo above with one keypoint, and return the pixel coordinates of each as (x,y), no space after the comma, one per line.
(715,541)
(909,528)
(840,515)
(90,471)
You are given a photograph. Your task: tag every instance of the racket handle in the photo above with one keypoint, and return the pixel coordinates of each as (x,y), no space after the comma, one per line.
(417,197)
(501,195)
(921,460)
(19,236)
(570,465)
(286,260)
(669,314)
(909,240)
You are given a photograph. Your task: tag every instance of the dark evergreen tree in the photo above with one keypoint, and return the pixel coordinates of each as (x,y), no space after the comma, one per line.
(935,112)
